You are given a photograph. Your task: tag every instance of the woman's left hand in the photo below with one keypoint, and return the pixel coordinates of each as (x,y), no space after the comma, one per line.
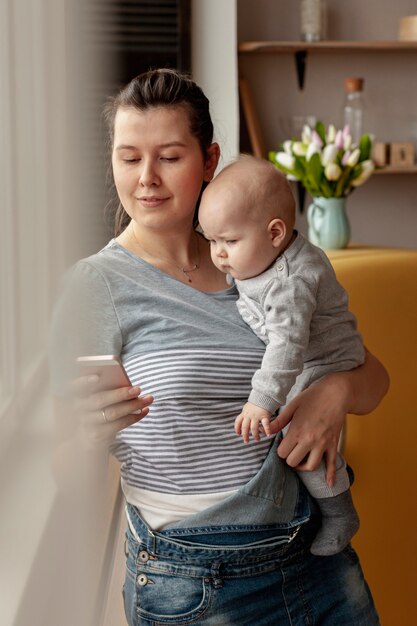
(317,416)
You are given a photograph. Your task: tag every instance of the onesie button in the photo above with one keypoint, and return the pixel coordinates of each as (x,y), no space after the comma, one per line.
(142,580)
(280,267)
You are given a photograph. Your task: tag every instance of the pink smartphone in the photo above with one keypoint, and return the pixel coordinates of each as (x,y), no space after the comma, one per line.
(108,367)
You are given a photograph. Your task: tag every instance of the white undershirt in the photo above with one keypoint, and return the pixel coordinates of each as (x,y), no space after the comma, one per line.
(161,509)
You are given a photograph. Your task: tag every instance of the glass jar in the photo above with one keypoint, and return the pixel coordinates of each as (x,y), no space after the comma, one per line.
(354,108)
(313,20)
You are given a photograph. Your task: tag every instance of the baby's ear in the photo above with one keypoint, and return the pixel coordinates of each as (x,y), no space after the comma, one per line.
(277,230)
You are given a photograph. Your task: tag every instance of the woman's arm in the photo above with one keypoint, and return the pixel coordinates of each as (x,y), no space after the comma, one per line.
(318,413)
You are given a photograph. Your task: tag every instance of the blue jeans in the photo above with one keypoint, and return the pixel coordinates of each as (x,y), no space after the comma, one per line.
(246,573)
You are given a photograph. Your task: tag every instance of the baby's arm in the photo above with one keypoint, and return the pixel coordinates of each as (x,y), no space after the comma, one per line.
(250,419)
(288,307)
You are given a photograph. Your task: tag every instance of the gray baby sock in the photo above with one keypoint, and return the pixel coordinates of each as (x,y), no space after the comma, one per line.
(339,523)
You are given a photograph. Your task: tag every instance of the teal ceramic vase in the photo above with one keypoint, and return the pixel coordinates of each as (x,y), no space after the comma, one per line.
(328,225)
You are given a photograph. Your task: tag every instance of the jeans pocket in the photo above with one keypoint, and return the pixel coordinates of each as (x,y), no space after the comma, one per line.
(171,598)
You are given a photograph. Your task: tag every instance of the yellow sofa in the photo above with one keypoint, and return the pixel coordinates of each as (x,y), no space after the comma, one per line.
(382,287)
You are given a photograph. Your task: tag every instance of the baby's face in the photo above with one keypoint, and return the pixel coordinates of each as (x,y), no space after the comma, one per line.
(239,246)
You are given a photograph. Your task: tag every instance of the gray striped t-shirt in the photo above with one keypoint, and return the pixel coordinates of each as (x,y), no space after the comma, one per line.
(189,349)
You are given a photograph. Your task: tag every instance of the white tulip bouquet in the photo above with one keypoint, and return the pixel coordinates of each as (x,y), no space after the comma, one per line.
(327,163)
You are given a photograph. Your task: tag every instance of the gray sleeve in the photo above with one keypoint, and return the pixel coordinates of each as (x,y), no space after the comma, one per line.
(288,307)
(84,323)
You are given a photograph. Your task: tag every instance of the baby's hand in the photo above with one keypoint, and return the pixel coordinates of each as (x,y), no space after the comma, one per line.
(250,419)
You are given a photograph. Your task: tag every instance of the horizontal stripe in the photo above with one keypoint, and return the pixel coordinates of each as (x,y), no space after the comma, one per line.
(187,443)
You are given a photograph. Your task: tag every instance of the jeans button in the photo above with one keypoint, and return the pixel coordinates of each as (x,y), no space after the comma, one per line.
(142,580)
(143,556)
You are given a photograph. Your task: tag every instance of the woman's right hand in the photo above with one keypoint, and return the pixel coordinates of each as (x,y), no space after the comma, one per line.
(101,414)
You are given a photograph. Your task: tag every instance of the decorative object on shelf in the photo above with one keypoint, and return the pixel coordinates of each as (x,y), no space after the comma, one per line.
(380,153)
(330,167)
(354,108)
(397,156)
(402,154)
(408,28)
(313,20)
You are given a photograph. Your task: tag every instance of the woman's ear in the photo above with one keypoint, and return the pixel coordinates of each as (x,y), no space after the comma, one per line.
(277,229)
(213,156)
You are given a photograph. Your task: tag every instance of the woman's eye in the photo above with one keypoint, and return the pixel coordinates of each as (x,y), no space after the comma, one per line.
(230,242)
(169,159)
(131,160)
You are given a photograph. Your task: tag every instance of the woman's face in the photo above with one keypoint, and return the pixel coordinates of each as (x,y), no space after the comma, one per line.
(158,166)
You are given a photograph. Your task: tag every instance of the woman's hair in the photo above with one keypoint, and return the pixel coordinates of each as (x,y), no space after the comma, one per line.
(158,88)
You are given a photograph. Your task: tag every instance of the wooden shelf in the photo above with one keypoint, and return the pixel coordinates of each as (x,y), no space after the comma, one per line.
(301,49)
(277,47)
(389,169)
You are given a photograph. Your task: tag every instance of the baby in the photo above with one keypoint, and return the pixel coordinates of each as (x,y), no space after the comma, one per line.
(289,296)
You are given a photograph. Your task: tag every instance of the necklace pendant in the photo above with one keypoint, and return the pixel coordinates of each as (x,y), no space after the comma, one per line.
(186,273)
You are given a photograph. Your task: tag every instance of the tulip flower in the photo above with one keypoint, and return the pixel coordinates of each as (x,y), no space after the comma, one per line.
(315,138)
(286,160)
(299,148)
(345,158)
(331,134)
(312,149)
(339,140)
(332,171)
(326,162)
(329,154)
(346,131)
(306,134)
(368,167)
(353,157)
(347,142)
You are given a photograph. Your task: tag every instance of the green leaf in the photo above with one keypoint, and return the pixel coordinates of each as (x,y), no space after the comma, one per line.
(321,131)
(314,169)
(365,146)
(300,166)
(271,156)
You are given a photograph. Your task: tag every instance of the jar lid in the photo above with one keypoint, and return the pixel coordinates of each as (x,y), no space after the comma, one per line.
(353,84)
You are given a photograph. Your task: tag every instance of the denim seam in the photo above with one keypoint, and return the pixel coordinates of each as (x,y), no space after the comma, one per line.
(306,605)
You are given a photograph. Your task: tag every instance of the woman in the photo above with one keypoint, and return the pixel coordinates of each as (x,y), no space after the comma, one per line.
(218,532)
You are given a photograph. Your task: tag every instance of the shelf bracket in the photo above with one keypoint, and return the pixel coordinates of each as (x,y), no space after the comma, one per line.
(301,62)
(301,195)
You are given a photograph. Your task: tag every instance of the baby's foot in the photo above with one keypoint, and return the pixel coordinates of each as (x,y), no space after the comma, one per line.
(339,523)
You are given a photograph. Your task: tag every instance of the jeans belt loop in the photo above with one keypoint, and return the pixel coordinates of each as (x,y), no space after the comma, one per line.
(217,581)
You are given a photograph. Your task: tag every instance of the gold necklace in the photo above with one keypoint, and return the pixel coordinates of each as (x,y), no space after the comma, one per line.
(184,270)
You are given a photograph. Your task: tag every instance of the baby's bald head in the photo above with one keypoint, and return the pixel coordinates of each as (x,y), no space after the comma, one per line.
(262,190)
(247,213)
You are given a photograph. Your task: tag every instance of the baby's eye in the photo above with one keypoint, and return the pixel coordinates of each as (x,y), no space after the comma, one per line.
(230,242)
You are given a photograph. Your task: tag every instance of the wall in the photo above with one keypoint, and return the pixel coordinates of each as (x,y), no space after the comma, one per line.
(384,211)
(214,67)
